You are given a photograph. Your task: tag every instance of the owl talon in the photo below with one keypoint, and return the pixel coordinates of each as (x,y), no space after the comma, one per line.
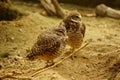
(49,63)
(73,57)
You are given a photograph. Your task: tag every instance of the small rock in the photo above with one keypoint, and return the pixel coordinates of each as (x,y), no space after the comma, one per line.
(0,67)
(15,59)
(27,50)
(54,77)
(35,5)
(108,37)
(41,28)
(20,30)
(89,40)
(14,48)
(44,13)
(5,22)
(73,57)
(99,39)
(73,78)
(4,55)
(12,38)
(8,38)
(115,35)
(19,25)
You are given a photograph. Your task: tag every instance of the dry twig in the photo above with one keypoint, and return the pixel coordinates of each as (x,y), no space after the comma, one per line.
(10,75)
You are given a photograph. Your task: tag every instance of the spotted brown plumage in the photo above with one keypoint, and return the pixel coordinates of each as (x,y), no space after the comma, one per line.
(75,29)
(50,44)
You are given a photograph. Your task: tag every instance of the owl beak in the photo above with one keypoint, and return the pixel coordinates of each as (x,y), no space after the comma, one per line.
(78,19)
(66,37)
(74,20)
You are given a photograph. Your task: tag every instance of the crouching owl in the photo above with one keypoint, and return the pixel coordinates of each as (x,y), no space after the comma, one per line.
(50,44)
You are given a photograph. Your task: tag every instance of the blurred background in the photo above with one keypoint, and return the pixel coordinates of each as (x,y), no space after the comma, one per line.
(92,3)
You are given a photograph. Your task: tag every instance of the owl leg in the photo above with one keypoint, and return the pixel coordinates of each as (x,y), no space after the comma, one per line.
(69,51)
(50,63)
(73,56)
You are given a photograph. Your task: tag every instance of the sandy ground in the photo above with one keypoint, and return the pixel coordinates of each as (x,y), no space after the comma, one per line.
(100,60)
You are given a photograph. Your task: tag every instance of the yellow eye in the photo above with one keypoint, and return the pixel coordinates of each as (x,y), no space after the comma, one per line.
(77,17)
(60,32)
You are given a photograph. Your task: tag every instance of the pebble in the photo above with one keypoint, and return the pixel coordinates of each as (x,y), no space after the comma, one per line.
(0,67)
(73,78)
(12,38)
(14,48)
(20,30)
(54,77)
(99,39)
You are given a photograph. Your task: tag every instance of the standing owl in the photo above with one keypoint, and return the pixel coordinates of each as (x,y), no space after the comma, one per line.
(50,44)
(75,29)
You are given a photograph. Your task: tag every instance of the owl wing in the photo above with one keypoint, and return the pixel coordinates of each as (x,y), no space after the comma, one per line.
(48,42)
(83,28)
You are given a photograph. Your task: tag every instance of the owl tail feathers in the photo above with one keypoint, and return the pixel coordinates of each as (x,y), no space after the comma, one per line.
(30,56)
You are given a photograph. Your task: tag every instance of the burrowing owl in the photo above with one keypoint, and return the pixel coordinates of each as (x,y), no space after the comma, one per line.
(50,44)
(75,29)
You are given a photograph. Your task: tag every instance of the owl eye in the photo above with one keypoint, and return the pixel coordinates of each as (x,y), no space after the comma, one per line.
(74,20)
(77,17)
(60,32)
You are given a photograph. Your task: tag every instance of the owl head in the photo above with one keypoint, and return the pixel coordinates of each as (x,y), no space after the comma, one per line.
(73,16)
(72,21)
(61,31)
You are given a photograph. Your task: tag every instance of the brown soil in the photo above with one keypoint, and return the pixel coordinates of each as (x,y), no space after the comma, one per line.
(100,60)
